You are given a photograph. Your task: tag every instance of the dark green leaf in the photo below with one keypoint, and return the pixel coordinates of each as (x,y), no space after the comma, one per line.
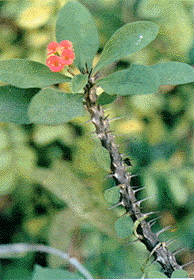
(41,273)
(14,104)
(105,98)
(76,24)
(24,73)
(129,39)
(79,82)
(50,106)
(124,226)
(112,195)
(179,273)
(138,79)
(174,73)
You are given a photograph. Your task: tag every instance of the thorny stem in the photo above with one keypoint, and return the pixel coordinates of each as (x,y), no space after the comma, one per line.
(121,177)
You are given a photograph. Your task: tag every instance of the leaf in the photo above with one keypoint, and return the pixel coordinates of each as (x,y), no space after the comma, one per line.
(124,226)
(102,157)
(76,24)
(14,104)
(128,39)
(50,106)
(174,73)
(105,98)
(154,274)
(179,273)
(112,195)
(138,79)
(79,82)
(24,73)
(41,273)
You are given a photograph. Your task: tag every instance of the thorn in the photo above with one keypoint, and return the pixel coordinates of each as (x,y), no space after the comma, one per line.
(153,221)
(140,201)
(163,230)
(178,251)
(86,122)
(132,242)
(107,177)
(120,203)
(92,132)
(187,264)
(172,240)
(106,116)
(151,213)
(139,189)
(111,120)
(134,175)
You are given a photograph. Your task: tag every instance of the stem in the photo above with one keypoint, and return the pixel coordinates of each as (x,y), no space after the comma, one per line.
(121,177)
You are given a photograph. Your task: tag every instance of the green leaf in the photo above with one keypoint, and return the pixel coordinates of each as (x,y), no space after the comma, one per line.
(112,195)
(174,73)
(79,82)
(41,273)
(102,157)
(129,39)
(154,274)
(14,104)
(24,73)
(51,107)
(76,24)
(124,226)
(138,79)
(105,99)
(179,273)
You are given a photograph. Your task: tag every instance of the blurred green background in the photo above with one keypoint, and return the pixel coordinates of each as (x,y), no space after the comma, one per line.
(52,184)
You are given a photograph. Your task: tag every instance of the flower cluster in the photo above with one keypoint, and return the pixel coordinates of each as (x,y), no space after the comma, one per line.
(59,55)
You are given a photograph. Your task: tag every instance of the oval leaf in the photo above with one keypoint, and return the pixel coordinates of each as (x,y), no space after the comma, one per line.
(129,39)
(124,226)
(50,106)
(154,274)
(105,98)
(76,24)
(102,157)
(138,79)
(14,104)
(24,73)
(79,82)
(112,195)
(174,73)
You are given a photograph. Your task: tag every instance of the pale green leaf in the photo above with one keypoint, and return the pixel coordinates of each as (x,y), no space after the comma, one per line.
(127,40)
(138,79)
(24,73)
(76,24)
(112,195)
(50,106)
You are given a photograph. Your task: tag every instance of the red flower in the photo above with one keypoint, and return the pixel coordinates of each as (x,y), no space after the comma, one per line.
(59,55)
(55,63)
(68,56)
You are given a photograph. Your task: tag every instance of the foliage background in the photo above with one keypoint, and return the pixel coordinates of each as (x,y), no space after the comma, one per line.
(51,183)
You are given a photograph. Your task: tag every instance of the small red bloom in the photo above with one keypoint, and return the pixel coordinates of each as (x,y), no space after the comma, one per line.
(52,47)
(59,55)
(55,63)
(68,56)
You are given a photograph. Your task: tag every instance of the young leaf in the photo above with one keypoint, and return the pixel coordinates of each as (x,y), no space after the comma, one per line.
(14,103)
(124,226)
(24,73)
(154,274)
(105,98)
(129,39)
(174,73)
(112,195)
(79,82)
(51,107)
(76,24)
(138,79)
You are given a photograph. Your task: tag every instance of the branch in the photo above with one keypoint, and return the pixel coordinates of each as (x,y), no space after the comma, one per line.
(12,250)
(121,177)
